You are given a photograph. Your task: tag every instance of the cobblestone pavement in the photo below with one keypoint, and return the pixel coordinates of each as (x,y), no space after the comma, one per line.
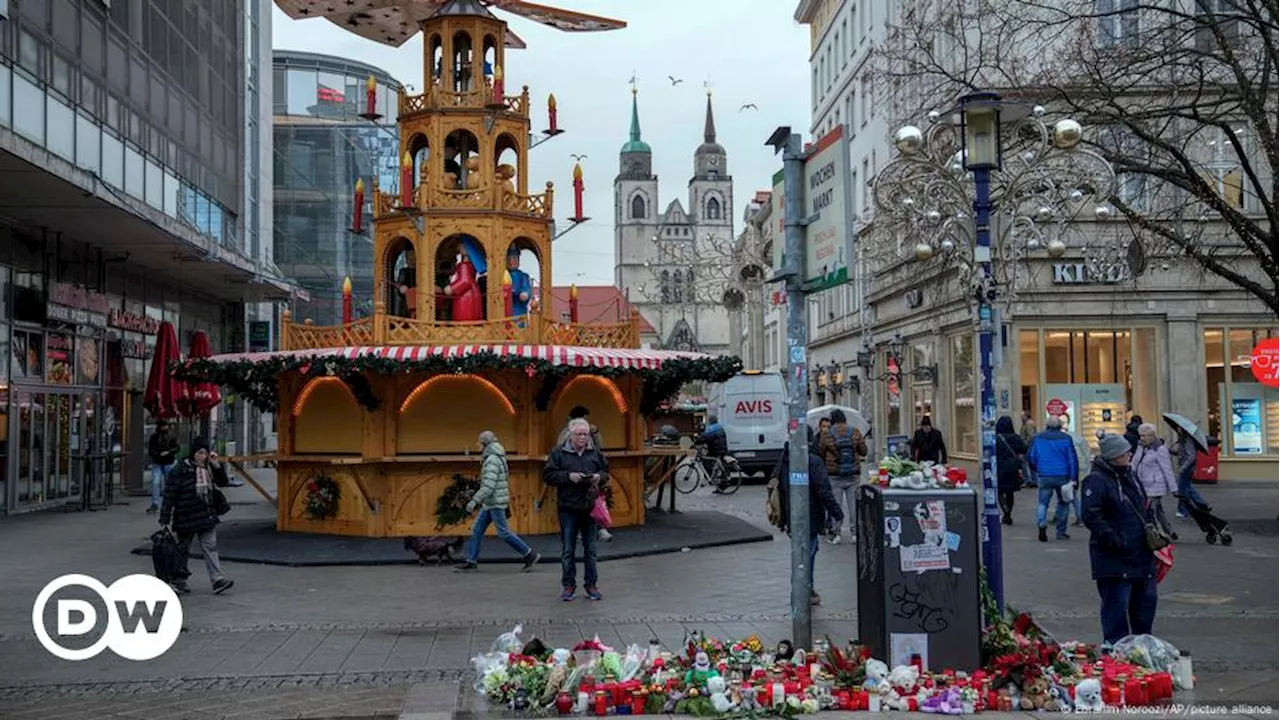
(359,641)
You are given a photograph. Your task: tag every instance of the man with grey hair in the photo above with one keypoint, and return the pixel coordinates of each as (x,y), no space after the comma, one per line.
(493,500)
(1053,458)
(579,472)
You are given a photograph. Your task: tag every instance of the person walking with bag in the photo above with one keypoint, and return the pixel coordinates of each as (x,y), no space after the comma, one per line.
(493,500)
(192,504)
(1121,555)
(1053,458)
(842,447)
(579,472)
(163,450)
(1154,468)
(1010,452)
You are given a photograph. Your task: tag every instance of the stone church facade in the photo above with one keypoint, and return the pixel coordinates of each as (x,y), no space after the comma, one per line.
(664,255)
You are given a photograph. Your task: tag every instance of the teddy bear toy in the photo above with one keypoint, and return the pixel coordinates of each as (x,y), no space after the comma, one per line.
(1060,700)
(876,673)
(716,690)
(1035,693)
(1089,696)
(900,687)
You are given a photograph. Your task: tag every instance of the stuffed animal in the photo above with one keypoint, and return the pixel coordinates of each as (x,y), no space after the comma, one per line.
(716,691)
(1059,700)
(701,672)
(1089,696)
(1035,693)
(946,702)
(877,672)
(433,547)
(900,687)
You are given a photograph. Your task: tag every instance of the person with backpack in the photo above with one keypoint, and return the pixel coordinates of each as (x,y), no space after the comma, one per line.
(842,448)
(822,501)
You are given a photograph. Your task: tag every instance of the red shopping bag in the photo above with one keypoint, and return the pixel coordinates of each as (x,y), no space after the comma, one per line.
(1164,561)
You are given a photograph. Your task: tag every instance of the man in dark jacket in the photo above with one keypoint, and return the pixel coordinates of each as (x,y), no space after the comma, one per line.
(578,471)
(717,442)
(1053,458)
(1116,511)
(1010,450)
(822,502)
(927,444)
(188,510)
(163,449)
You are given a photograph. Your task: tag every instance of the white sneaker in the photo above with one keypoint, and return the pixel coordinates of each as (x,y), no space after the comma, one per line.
(605,535)
(834,539)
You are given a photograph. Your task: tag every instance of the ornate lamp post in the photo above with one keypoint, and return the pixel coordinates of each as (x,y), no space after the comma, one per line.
(925,195)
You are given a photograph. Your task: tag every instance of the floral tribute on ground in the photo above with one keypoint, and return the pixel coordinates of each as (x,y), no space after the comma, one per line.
(1025,669)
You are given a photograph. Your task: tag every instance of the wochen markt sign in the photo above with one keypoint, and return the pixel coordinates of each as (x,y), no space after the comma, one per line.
(827,200)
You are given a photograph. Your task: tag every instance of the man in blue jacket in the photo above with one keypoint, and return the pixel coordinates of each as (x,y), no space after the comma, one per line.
(1116,511)
(1053,458)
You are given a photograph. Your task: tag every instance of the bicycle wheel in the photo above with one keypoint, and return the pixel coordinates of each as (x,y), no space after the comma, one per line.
(729,481)
(687,476)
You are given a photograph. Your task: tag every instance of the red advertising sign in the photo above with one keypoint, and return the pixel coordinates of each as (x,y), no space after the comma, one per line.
(1263,362)
(1055,407)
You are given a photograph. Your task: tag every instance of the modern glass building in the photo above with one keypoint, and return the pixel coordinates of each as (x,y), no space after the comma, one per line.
(321,147)
(123,149)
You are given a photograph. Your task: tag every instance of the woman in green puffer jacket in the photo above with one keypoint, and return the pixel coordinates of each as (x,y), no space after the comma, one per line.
(492,499)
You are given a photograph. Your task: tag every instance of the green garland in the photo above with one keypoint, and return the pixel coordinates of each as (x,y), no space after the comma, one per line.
(451,508)
(323,495)
(258,383)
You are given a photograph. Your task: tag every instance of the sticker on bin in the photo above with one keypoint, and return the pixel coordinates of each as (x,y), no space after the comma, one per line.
(953,541)
(923,558)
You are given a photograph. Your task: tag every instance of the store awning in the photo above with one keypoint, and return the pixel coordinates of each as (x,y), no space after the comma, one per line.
(559,355)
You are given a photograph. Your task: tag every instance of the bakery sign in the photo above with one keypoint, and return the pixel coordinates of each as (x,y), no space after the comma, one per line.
(133,323)
(76,305)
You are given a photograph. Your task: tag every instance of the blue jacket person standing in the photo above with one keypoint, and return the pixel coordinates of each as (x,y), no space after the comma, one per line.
(1116,511)
(822,501)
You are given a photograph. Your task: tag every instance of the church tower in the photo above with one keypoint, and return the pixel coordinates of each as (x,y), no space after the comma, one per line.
(635,198)
(711,187)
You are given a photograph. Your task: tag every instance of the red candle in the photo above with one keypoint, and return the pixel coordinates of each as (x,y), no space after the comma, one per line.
(602,704)
(862,700)
(637,702)
(551,114)
(993,699)
(370,99)
(497,85)
(406,181)
(564,703)
(573,303)
(348,311)
(357,215)
(578,187)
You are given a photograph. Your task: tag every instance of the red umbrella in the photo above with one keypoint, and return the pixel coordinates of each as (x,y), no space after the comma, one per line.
(201,397)
(164,393)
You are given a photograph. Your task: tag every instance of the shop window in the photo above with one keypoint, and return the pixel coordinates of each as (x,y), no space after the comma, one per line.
(964,388)
(1242,413)
(1029,371)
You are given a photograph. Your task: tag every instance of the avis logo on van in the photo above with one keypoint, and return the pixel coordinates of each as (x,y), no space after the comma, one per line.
(753,407)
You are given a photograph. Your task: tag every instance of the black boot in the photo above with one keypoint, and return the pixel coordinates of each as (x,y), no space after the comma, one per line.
(1044,535)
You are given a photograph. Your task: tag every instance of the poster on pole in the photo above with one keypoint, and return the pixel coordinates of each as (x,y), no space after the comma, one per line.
(827,198)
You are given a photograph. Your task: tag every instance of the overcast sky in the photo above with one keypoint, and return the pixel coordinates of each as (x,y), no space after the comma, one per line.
(751,51)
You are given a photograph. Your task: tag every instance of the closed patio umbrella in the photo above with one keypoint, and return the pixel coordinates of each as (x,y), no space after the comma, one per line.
(164,393)
(201,397)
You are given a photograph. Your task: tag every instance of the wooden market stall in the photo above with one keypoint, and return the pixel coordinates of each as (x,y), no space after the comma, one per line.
(387,408)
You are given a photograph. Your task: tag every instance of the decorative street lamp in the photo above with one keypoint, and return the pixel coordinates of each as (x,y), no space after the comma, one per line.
(924,195)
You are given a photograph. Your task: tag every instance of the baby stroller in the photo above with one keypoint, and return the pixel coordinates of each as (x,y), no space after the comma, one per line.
(1214,528)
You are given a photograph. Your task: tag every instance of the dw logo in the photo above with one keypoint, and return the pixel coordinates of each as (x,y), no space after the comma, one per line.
(141,614)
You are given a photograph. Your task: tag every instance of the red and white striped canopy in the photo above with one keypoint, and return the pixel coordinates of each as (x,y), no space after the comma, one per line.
(565,355)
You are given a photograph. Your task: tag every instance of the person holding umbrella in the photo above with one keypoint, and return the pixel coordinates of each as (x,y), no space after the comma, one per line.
(1187,446)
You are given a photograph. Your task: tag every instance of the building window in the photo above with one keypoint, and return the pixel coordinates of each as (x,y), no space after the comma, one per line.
(866,98)
(1117,22)
(637,207)
(677,287)
(665,286)
(713,209)
(1243,413)
(964,389)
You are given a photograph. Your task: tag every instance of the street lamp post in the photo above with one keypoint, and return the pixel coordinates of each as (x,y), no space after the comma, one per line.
(1052,183)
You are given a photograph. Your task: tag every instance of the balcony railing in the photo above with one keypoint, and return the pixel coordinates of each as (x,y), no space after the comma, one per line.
(384,329)
(437,98)
(499,197)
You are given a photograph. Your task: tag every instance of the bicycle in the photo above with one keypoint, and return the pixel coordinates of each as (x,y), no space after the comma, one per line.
(691,472)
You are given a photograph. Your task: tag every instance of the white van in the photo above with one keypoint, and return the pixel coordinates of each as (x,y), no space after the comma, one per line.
(752,407)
